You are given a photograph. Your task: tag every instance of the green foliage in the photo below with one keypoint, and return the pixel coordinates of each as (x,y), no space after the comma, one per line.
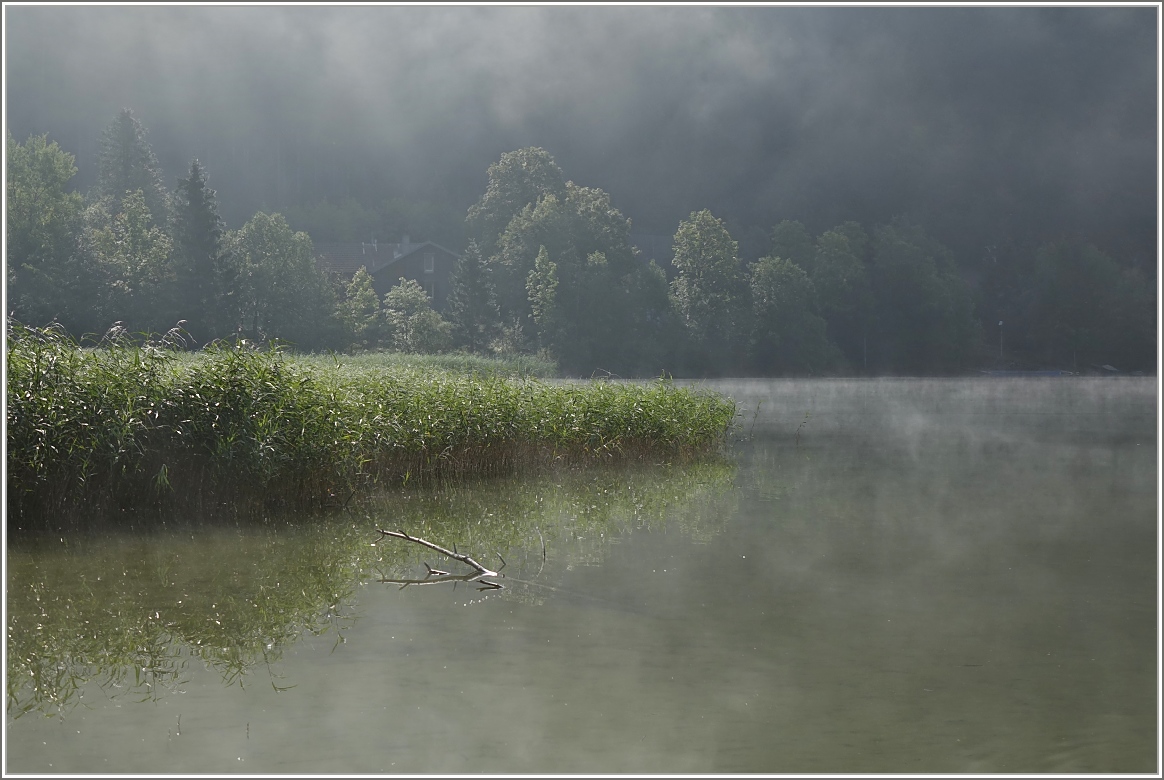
(551,269)
(710,293)
(519,179)
(359,311)
(512,366)
(126,426)
(126,164)
(410,324)
(280,291)
(1081,305)
(135,260)
(75,418)
(792,241)
(201,269)
(843,289)
(583,300)
(652,331)
(924,311)
(789,336)
(542,287)
(43,218)
(858,239)
(473,310)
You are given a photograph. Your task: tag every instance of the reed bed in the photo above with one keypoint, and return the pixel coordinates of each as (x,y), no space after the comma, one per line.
(126,426)
(528,366)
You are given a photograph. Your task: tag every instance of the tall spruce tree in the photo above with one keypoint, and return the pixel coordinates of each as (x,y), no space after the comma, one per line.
(127,163)
(473,308)
(198,234)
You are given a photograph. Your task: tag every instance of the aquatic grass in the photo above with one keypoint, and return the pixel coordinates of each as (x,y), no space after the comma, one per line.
(124,426)
(451,362)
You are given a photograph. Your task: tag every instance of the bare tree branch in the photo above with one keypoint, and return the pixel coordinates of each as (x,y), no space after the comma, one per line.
(432,579)
(465,559)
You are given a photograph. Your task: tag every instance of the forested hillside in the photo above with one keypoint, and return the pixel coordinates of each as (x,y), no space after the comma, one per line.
(550,267)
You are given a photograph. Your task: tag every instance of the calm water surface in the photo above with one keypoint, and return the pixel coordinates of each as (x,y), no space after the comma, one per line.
(883,576)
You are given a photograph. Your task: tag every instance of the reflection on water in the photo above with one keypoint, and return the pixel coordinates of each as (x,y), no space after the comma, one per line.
(130,612)
(953,576)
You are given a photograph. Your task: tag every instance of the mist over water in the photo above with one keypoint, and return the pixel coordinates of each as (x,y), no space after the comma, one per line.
(935,576)
(964,415)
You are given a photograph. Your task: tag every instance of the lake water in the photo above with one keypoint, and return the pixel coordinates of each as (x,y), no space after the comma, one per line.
(925,576)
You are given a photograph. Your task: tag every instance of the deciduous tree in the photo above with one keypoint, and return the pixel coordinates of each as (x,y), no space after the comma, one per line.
(134,259)
(519,179)
(792,241)
(45,281)
(789,336)
(280,290)
(411,325)
(359,311)
(843,291)
(710,293)
(924,311)
(1077,304)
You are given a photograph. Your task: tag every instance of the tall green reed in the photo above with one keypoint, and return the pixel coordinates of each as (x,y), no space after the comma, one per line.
(125,426)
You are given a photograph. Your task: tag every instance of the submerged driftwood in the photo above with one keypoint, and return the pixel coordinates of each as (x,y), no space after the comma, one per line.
(482,575)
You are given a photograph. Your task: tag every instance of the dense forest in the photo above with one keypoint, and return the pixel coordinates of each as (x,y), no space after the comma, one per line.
(550,267)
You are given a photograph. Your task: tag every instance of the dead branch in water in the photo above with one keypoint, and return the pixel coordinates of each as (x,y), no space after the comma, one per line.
(433,577)
(437,575)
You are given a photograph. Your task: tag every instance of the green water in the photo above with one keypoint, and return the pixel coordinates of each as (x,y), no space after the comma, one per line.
(882,576)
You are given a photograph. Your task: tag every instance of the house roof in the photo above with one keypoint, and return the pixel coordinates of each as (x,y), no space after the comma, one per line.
(347,258)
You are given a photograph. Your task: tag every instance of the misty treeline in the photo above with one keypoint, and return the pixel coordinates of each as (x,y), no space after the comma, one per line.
(549,267)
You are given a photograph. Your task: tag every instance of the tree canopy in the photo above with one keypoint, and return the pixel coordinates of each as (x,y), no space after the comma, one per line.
(549,266)
(43,220)
(281,292)
(710,292)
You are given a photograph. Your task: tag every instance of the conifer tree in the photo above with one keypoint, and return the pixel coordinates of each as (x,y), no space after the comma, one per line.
(127,163)
(473,308)
(198,234)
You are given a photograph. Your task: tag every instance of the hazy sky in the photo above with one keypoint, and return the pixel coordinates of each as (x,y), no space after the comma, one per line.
(982,122)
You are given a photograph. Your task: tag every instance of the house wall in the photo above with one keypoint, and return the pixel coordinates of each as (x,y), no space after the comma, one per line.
(437,283)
